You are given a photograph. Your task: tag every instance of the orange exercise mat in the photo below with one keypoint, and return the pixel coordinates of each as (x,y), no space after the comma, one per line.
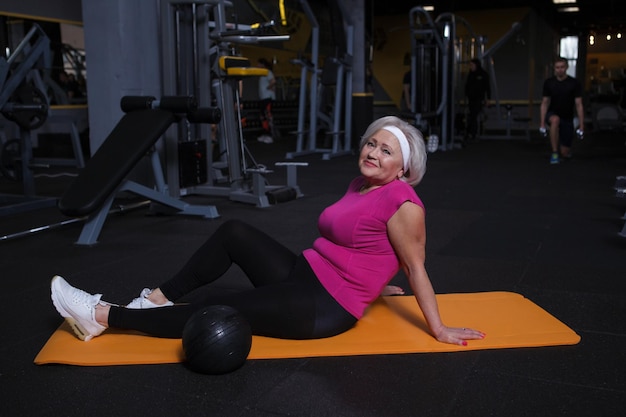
(391,325)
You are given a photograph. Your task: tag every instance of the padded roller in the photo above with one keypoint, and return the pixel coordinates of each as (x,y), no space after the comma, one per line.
(178,104)
(233,61)
(131,103)
(205,115)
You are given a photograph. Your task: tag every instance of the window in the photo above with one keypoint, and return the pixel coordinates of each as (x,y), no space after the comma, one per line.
(568,49)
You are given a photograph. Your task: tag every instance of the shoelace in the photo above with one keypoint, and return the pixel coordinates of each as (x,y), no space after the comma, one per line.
(82,297)
(141,301)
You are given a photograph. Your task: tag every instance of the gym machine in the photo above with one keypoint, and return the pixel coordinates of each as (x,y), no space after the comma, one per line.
(436,54)
(199,58)
(430,75)
(23,102)
(504,120)
(337,74)
(309,70)
(342,108)
(91,194)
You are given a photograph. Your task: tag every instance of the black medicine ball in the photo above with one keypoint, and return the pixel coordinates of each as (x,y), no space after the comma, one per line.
(216,340)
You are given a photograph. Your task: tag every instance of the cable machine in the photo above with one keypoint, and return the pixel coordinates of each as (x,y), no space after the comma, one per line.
(430,68)
(339,121)
(437,52)
(200,59)
(24,102)
(307,144)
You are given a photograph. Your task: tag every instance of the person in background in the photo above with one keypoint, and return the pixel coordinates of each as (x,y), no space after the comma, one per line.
(561,95)
(267,95)
(478,94)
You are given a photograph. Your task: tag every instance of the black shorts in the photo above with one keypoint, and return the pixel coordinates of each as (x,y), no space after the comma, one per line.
(566,129)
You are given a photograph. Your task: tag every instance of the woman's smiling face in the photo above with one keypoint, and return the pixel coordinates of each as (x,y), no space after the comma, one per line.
(380,160)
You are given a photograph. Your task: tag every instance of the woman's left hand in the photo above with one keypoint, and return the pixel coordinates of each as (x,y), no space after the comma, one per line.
(458,335)
(392,290)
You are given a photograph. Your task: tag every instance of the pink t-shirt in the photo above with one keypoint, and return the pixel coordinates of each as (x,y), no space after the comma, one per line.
(353,258)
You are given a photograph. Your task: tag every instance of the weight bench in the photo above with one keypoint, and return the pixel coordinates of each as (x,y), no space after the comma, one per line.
(92,192)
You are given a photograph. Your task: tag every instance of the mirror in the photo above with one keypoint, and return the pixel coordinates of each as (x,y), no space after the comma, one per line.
(64,65)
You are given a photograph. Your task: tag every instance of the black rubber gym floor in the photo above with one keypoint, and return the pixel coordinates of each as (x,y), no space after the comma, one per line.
(499,218)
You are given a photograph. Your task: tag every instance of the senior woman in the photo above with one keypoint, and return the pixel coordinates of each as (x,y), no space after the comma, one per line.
(375,229)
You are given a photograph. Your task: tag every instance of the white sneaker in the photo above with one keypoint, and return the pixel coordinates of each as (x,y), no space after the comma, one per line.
(78,307)
(142,301)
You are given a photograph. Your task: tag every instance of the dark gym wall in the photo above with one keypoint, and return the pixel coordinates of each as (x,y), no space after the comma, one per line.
(68,10)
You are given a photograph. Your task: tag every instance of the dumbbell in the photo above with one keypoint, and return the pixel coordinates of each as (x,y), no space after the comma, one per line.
(580,134)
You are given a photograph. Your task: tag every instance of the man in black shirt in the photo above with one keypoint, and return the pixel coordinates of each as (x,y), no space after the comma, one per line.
(561,94)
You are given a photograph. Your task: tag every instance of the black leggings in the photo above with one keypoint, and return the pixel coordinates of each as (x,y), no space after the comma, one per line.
(287,300)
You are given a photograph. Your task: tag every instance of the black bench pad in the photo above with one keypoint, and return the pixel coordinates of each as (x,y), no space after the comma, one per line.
(129,141)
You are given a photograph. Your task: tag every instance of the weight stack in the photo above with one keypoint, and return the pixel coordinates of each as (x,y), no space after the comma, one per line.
(192,163)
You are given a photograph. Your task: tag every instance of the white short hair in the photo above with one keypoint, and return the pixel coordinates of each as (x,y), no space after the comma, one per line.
(417,159)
